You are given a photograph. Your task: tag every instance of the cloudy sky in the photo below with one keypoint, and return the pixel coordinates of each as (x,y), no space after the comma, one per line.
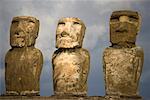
(95,14)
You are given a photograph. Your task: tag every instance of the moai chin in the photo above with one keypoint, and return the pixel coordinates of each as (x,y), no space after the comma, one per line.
(123,60)
(23,62)
(70,61)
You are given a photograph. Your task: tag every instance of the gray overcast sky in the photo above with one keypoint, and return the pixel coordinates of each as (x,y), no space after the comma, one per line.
(95,14)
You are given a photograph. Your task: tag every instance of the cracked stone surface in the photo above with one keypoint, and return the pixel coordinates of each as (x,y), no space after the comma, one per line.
(122,68)
(71,67)
(123,60)
(124,26)
(70,32)
(70,62)
(23,62)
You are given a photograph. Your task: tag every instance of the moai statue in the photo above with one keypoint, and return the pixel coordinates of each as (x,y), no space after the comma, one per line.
(70,62)
(23,62)
(123,60)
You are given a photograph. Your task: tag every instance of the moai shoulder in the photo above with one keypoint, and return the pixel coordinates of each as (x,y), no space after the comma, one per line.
(123,60)
(83,52)
(70,61)
(23,62)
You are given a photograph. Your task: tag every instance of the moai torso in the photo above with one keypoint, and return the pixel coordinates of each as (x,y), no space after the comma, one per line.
(123,70)
(23,63)
(123,61)
(70,71)
(70,61)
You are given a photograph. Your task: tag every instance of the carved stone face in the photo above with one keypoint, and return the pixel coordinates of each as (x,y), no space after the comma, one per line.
(70,33)
(23,31)
(124,26)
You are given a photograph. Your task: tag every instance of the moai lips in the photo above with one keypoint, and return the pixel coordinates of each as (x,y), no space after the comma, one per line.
(23,62)
(123,61)
(70,61)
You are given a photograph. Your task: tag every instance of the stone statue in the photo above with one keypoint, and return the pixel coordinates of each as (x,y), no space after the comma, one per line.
(70,62)
(123,60)
(23,62)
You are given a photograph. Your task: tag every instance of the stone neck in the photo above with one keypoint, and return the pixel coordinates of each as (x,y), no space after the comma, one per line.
(69,48)
(123,45)
(23,48)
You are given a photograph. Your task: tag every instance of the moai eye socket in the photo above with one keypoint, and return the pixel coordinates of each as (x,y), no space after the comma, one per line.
(15,21)
(76,23)
(31,21)
(133,19)
(114,19)
(61,23)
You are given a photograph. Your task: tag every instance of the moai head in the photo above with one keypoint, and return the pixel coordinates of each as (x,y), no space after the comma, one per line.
(23,31)
(70,33)
(124,26)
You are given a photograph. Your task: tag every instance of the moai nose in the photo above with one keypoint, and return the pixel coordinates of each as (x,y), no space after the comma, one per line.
(68,27)
(20,29)
(20,26)
(122,27)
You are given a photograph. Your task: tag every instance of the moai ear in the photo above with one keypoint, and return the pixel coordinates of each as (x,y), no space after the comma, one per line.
(139,22)
(83,31)
(37,25)
(37,28)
